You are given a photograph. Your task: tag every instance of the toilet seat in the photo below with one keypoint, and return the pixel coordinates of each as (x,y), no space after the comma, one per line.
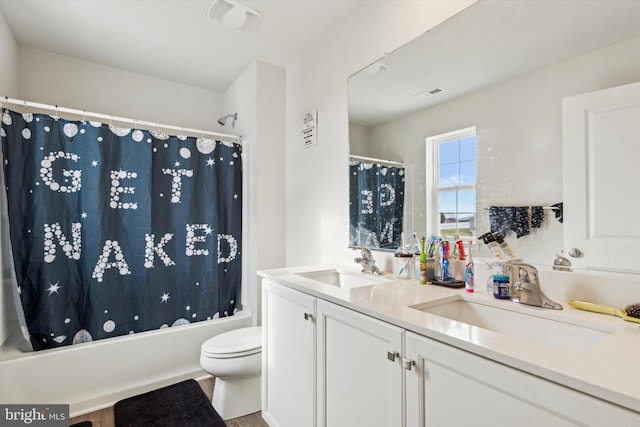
(236,343)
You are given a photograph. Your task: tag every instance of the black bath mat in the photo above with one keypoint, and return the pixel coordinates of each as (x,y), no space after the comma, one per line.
(183,404)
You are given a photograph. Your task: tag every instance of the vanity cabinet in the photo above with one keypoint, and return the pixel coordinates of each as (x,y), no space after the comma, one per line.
(326,365)
(359,369)
(451,387)
(288,357)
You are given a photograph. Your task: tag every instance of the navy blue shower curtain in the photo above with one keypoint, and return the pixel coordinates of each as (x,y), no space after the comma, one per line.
(116,231)
(376,206)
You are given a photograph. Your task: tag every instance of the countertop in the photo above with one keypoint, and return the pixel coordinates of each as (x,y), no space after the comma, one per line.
(608,370)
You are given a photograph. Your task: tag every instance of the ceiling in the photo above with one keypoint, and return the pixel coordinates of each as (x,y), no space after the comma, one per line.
(487,43)
(172,39)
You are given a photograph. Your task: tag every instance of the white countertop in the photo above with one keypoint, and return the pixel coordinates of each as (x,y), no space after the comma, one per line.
(608,370)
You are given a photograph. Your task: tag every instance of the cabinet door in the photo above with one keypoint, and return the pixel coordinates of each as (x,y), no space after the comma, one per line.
(288,357)
(450,387)
(601,177)
(358,383)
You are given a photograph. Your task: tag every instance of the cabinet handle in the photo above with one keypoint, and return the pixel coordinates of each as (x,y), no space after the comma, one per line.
(391,355)
(308,316)
(407,364)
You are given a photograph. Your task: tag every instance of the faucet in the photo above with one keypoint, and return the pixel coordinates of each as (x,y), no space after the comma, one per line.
(368,263)
(561,263)
(524,280)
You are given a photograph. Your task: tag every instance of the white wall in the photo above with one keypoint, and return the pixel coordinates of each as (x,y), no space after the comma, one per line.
(258,96)
(519,134)
(9,63)
(359,137)
(316,177)
(59,80)
(9,88)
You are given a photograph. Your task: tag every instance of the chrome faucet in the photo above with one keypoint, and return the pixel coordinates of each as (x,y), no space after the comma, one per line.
(561,263)
(524,281)
(368,263)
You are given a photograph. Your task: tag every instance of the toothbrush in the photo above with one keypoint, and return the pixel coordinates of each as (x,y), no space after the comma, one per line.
(434,241)
(416,245)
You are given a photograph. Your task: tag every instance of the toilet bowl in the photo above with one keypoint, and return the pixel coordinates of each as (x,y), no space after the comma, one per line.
(234,358)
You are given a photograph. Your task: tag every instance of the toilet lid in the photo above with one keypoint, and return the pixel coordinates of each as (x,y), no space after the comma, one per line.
(237,342)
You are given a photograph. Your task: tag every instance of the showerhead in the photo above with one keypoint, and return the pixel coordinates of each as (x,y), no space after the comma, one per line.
(222,120)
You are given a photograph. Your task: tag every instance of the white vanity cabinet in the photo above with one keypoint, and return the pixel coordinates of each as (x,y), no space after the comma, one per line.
(325,365)
(359,369)
(451,387)
(288,357)
(357,379)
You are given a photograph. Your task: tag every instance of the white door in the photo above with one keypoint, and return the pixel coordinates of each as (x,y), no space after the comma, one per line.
(288,357)
(601,178)
(359,370)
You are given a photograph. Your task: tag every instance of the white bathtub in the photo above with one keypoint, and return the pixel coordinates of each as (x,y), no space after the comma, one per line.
(95,375)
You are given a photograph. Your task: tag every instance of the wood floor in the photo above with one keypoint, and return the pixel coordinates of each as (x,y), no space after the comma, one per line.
(104,417)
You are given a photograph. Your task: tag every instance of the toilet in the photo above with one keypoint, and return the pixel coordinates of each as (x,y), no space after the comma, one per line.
(234,358)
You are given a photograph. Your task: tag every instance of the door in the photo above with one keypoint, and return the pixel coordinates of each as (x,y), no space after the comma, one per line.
(359,370)
(288,357)
(601,162)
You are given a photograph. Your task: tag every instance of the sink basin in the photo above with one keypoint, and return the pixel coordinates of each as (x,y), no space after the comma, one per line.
(523,323)
(342,279)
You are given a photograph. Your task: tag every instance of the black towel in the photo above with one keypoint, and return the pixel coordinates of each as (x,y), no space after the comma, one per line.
(518,219)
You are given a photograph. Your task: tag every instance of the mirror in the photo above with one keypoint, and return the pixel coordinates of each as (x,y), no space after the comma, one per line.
(503,68)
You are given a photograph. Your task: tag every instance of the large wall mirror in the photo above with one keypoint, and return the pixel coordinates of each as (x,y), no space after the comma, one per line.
(499,70)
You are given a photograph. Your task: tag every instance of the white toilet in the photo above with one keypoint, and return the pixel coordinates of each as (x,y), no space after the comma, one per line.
(234,358)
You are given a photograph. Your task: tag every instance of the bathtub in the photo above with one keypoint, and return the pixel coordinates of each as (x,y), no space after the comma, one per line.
(95,375)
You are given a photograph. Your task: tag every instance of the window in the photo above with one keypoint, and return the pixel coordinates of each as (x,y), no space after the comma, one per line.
(451,183)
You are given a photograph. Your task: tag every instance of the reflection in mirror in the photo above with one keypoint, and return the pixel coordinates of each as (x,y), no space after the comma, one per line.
(452,184)
(502,68)
(376,203)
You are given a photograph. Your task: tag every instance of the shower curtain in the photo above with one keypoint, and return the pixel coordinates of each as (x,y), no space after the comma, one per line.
(116,230)
(376,205)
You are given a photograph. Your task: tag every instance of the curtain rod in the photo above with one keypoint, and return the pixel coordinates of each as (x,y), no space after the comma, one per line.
(372,159)
(56,109)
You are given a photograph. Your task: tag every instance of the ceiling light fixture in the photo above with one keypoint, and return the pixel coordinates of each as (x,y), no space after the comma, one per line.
(234,15)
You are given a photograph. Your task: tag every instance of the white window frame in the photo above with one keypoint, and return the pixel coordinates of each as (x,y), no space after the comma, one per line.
(432,164)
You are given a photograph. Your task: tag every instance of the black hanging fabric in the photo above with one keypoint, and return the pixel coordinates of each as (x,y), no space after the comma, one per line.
(520,220)
(376,205)
(116,231)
